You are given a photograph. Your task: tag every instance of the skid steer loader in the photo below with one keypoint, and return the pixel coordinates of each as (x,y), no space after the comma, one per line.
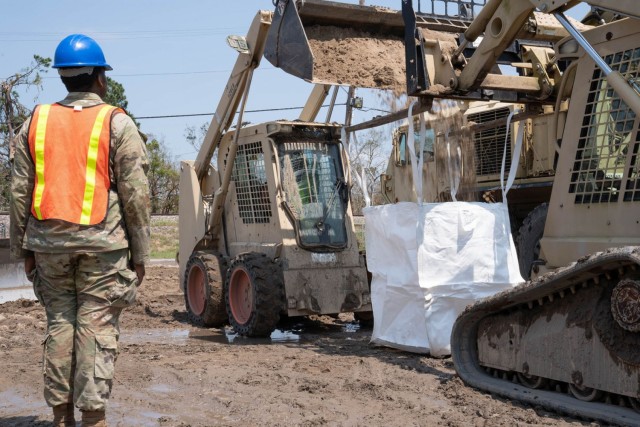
(568,339)
(267,231)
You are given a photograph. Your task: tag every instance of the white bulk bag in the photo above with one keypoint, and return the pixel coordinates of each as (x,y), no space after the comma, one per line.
(465,253)
(398,300)
(429,261)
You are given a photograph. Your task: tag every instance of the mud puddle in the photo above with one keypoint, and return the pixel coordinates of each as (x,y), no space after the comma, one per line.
(292,333)
(16,402)
(228,336)
(155,336)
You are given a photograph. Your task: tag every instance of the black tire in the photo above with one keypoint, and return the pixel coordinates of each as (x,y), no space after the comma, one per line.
(203,289)
(254,294)
(365,318)
(528,240)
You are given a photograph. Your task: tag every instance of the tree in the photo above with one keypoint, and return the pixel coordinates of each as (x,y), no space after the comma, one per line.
(368,157)
(195,136)
(115,96)
(12,114)
(164,179)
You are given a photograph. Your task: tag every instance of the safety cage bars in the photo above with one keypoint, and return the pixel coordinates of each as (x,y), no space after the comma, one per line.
(252,190)
(606,162)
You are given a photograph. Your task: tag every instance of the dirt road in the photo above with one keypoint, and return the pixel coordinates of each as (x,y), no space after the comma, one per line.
(313,372)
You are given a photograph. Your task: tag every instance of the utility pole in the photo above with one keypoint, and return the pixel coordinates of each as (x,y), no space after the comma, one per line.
(352,92)
(349,108)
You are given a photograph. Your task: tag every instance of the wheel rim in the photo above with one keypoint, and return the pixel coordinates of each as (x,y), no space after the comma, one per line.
(195,290)
(240,296)
(531,381)
(586,394)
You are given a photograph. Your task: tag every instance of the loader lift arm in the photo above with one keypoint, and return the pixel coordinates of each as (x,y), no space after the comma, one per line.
(235,89)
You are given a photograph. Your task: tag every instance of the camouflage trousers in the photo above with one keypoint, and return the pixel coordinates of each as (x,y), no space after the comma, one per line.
(83,295)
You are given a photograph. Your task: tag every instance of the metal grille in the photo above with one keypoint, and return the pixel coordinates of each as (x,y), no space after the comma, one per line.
(605,137)
(489,143)
(466,9)
(252,190)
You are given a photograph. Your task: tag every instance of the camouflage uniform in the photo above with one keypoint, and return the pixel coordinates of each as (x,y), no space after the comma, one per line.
(83,275)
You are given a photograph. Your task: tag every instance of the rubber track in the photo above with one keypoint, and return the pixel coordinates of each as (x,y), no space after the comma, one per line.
(465,331)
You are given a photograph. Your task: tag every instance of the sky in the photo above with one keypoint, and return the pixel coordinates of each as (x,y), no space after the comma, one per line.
(171,57)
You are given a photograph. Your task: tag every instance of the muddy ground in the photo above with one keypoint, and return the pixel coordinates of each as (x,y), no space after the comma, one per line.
(312,372)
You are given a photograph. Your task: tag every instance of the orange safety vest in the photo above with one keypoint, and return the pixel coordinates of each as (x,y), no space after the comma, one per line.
(70,149)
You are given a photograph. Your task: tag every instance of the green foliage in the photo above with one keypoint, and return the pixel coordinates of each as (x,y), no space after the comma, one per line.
(164,237)
(12,114)
(115,96)
(164,179)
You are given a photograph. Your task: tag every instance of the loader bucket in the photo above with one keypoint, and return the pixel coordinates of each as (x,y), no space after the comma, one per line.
(337,43)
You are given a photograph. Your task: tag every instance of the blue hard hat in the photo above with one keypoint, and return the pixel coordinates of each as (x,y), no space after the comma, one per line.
(78,50)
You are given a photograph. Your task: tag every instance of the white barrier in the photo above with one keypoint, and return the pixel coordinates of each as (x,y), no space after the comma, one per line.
(13,282)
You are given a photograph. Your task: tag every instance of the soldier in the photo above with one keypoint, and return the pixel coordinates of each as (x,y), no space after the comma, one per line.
(80,219)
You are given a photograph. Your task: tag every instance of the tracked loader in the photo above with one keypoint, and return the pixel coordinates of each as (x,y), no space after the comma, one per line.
(569,338)
(267,230)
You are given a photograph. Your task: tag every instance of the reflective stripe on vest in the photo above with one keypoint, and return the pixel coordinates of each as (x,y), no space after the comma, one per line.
(70,148)
(39,158)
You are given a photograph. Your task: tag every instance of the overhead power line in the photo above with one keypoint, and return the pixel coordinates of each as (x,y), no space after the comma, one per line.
(153,74)
(56,76)
(211,114)
(171,116)
(114,35)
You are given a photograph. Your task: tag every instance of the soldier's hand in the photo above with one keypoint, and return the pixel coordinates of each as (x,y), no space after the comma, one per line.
(139,268)
(30,267)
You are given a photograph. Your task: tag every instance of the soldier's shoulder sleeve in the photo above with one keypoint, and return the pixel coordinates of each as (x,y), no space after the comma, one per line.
(22,182)
(130,143)
(130,171)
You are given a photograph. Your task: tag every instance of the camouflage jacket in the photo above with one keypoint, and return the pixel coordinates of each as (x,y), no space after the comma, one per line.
(128,216)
